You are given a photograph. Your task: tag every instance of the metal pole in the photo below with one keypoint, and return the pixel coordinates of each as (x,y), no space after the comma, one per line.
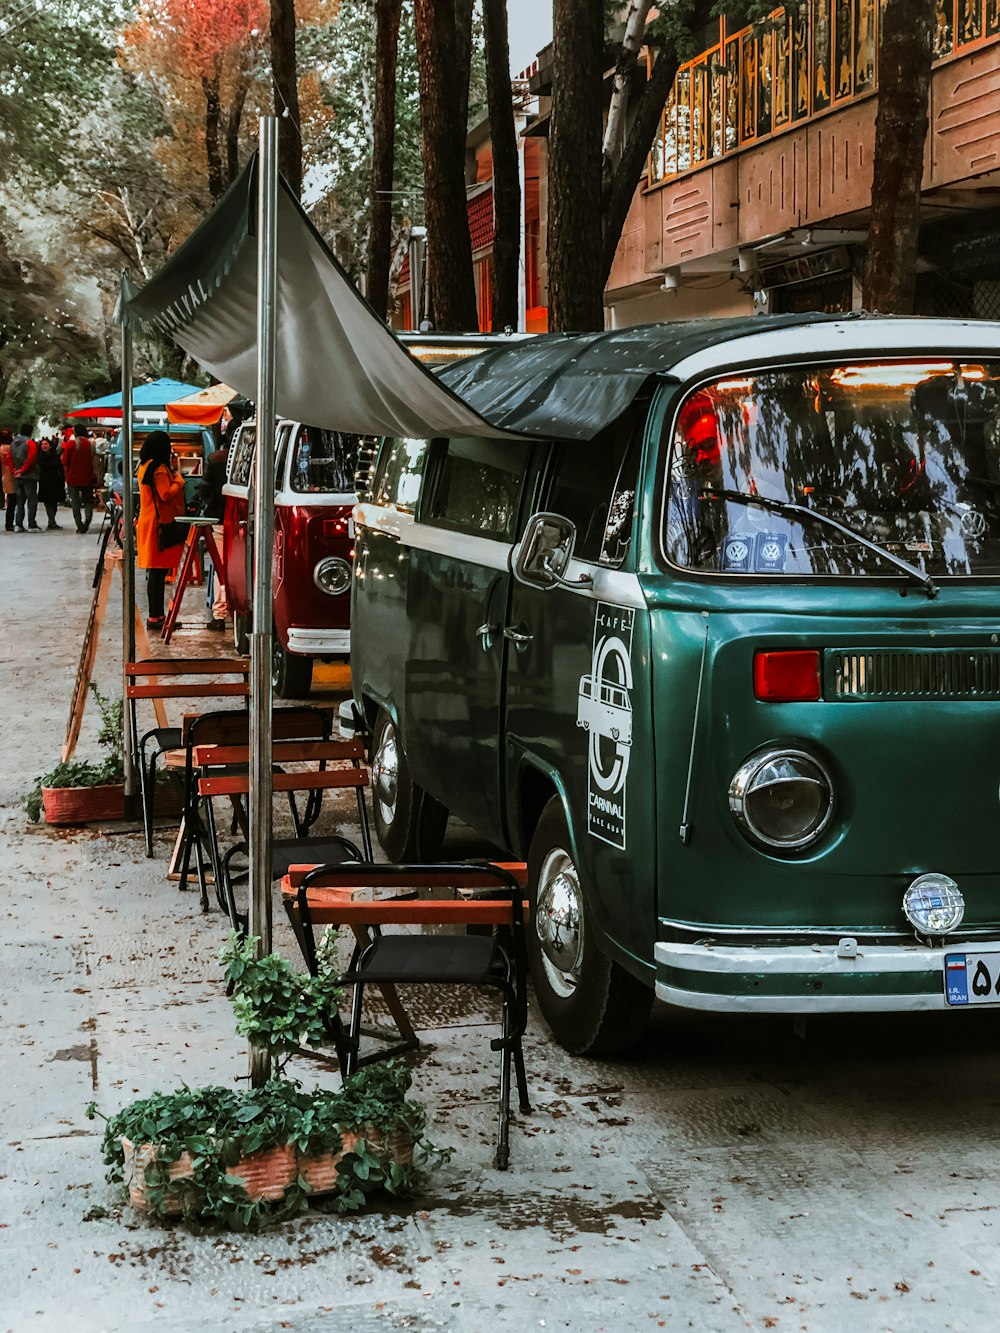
(260,639)
(128,550)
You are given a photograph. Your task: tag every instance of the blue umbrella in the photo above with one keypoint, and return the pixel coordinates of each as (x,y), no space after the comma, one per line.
(150,397)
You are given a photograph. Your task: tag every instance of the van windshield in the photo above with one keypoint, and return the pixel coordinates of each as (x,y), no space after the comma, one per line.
(905,453)
(324,460)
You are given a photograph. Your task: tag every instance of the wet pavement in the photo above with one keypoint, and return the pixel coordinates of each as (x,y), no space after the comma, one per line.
(730,1174)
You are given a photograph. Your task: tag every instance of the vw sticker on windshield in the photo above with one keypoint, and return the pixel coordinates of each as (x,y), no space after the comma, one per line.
(605,711)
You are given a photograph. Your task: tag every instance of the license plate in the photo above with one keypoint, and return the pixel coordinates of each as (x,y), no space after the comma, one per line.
(972,978)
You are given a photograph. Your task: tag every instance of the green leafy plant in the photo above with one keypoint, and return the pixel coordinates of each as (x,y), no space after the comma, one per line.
(86,773)
(278,1009)
(216,1127)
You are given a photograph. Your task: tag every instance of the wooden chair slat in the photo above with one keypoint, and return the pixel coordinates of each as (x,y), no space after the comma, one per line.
(285,751)
(346,876)
(189,690)
(409,912)
(238,784)
(189,666)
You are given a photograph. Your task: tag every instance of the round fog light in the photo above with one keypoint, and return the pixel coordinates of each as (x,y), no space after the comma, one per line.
(781,799)
(332,576)
(933,904)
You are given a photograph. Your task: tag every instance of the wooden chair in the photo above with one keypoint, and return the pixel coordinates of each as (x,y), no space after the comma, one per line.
(161,738)
(284,851)
(231,728)
(465,894)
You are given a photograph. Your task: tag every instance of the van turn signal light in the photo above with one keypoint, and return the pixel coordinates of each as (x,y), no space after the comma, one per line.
(788,676)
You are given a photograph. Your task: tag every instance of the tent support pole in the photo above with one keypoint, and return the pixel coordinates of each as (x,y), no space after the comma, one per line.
(128,553)
(261,785)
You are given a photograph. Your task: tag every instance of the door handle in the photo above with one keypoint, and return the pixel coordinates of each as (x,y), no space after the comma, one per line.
(485,634)
(516,637)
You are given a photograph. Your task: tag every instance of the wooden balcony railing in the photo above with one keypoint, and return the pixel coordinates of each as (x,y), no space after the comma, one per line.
(802,63)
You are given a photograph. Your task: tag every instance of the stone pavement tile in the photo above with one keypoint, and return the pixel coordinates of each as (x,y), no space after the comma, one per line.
(812,1238)
(570,1246)
(121,1270)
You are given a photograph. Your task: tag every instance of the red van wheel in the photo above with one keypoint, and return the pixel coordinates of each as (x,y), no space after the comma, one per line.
(409,822)
(593,1006)
(241,633)
(291,676)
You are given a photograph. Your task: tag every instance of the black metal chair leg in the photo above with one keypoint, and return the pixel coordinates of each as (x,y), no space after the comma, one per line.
(522,1079)
(503,1129)
(186,851)
(147,812)
(354,1036)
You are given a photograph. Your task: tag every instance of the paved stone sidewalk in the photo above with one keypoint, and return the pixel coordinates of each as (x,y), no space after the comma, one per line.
(728,1176)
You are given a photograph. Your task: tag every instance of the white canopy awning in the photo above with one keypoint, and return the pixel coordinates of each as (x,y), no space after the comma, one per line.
(337,365)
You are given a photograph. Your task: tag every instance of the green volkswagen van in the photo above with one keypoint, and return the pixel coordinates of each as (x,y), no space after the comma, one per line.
(713,642)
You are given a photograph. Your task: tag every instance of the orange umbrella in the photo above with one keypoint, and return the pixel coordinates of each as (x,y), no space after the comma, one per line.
(203,408)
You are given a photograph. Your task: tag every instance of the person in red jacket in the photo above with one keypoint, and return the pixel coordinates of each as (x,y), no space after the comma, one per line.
(78,466)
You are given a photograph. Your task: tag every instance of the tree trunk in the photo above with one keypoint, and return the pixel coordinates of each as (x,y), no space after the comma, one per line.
(383,154)
(506,177)
(443,40)
(286,92)
(213,131)
(233,123)
(904,78)
(623,166)
(574,227)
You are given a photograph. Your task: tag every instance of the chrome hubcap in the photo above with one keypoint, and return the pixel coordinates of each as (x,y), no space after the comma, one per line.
(385,775)
(559,922)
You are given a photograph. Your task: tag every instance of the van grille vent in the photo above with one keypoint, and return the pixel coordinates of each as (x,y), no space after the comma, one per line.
(943,673)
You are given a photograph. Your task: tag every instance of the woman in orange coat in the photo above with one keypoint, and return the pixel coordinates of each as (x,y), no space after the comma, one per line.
(161,499)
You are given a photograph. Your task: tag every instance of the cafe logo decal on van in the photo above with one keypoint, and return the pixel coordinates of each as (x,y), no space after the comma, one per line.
(605,711)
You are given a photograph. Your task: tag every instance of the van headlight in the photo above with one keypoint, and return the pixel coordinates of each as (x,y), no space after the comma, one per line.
(332,575)
(781,798)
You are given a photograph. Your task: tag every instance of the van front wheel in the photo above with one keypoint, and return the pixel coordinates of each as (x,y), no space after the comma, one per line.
(409,822)
(592,1005)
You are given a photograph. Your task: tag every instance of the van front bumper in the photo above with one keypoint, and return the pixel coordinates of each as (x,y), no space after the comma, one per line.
(807,978)
(318,642)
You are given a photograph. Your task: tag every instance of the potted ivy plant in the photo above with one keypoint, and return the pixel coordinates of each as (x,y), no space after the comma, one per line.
(78,791)
(81,791)
(243,1158)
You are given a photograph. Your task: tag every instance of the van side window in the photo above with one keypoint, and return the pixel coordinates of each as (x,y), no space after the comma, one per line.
(593,484)
(477,486)
(324,460)
(400,469)
(241,456)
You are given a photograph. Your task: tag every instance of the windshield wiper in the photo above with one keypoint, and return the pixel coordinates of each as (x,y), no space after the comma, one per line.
(817,515)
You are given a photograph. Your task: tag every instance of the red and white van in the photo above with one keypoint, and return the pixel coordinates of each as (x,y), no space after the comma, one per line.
(313,546)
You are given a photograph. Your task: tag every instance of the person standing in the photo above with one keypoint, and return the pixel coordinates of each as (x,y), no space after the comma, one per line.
(24,452)
(51,487)
(9,484)
(213,507)
(78,464)
(161,500)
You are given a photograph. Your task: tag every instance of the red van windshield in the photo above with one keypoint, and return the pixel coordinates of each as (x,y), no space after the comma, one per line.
(905,453)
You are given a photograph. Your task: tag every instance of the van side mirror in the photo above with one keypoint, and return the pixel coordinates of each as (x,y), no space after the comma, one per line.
(542,556)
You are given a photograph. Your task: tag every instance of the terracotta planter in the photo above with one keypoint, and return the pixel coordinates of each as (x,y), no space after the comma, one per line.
(83,805)
(319,1170)
(266,1174)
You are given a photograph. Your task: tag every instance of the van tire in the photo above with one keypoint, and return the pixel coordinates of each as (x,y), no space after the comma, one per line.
(241,633)
(409,822)
(595,1007)
(291,676)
